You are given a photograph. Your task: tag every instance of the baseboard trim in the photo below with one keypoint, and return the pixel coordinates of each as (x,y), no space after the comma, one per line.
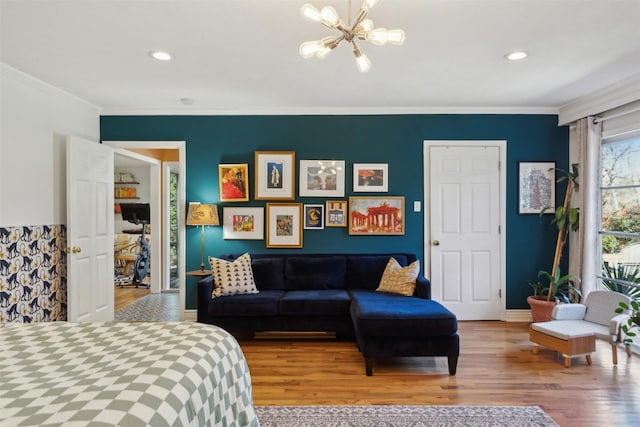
(189,316)
(518,316)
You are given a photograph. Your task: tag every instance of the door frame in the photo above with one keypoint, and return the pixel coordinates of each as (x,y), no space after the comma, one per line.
(167,167)
(502,147)
(182,159)
(155,284)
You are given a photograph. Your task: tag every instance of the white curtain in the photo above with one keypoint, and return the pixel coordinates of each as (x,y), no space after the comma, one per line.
(584,255)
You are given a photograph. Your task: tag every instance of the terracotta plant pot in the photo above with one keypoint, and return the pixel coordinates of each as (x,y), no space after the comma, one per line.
(540,308)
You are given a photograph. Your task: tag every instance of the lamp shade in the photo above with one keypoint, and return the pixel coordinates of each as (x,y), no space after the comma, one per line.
(202,214)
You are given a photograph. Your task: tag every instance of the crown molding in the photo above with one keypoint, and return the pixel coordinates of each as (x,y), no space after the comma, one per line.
(324,111)
(7,71)
(608,98)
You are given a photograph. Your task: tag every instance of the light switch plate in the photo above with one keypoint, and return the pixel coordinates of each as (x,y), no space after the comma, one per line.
(416,206)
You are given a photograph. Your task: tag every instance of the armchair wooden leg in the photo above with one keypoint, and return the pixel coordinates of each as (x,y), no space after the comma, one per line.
(614,353)
(567,362)
(628,348)
(535,349)
(588,357)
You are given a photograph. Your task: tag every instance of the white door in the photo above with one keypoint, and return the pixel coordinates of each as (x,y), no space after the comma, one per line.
(89,231)
(463,241)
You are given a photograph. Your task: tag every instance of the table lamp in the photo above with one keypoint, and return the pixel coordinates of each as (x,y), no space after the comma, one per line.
(202,214)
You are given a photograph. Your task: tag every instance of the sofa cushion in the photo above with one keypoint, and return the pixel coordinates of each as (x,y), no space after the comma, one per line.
(306,273)
(268,273)
(399,280)
(365,271)
(264,303)
(383,314)
(232,277)
(325,302)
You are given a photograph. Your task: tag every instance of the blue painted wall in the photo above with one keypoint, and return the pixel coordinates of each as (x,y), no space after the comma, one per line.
(393,139)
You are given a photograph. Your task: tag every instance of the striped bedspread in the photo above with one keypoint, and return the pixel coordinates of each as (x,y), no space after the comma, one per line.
(122,374)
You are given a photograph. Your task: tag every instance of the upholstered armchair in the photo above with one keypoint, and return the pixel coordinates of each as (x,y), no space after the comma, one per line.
(596,317)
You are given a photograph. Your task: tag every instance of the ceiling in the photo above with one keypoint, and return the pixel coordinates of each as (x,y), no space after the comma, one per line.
(241,56)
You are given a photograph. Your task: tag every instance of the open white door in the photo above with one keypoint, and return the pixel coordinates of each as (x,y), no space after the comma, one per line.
(89,231)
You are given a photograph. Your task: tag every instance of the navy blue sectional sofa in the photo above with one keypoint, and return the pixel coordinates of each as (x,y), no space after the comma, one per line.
(336,293)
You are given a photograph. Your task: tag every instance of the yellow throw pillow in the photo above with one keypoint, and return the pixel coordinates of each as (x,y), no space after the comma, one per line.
(399,280)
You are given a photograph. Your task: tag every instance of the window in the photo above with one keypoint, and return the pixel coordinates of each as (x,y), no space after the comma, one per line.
(620,215)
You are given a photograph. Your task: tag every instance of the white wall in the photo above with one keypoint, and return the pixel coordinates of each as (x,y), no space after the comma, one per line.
(35,119)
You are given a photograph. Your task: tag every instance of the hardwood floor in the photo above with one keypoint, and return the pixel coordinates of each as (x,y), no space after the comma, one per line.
(128,295)
(496,367)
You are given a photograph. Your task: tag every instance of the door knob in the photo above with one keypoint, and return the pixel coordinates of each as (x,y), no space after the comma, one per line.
(76,249)
(436,243)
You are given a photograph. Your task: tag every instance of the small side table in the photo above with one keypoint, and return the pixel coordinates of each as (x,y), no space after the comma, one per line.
(199,273)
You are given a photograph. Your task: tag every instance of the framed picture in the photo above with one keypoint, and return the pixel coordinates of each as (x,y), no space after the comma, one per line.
(313,217)
(233,180)
(321,178)
(536,187)
(336,213)
(376,216)
(371,177)
(243,223)
(284,225)
(275,173)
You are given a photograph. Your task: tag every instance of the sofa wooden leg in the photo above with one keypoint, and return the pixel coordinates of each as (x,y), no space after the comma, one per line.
(453,364)
(614,353)
(368,363)
(628,348)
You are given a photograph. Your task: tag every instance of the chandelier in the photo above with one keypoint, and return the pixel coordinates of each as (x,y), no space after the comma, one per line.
(362,29)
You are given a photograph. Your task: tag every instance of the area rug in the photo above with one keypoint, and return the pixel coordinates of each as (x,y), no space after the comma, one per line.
(164,307)
(403,416)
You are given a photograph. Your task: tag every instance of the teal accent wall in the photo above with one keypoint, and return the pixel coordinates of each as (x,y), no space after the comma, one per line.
(393,139)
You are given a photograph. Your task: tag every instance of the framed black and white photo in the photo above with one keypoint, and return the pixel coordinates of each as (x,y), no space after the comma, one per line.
(536,187)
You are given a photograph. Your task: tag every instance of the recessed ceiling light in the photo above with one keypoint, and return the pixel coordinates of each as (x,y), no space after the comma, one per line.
(161,55)
(516,56)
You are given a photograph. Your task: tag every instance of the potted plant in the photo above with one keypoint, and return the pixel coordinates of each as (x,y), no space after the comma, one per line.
(633,322)
(560,288)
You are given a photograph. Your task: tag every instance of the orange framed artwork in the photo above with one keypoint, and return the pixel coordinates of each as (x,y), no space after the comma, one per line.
(234,183)
(376,216)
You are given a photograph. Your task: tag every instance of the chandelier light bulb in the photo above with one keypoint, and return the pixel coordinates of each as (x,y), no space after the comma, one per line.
(362,62)
(378,36)
(395,37)
(310,13)
(309,49)
(330,16)
(366,25)
(369,3)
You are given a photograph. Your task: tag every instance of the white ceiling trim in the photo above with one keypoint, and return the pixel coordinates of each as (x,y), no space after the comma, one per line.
(326,111)
(613,96)
(7,71)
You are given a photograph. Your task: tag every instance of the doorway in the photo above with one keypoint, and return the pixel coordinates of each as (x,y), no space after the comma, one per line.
(464,238)
(159,216)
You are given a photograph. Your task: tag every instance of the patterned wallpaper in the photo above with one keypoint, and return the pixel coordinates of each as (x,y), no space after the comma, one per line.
(33,273)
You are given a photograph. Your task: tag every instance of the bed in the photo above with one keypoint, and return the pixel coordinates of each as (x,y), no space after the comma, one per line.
(123,374)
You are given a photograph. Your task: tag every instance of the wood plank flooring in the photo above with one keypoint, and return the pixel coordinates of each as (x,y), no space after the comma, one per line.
(496,367)
(128,295)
